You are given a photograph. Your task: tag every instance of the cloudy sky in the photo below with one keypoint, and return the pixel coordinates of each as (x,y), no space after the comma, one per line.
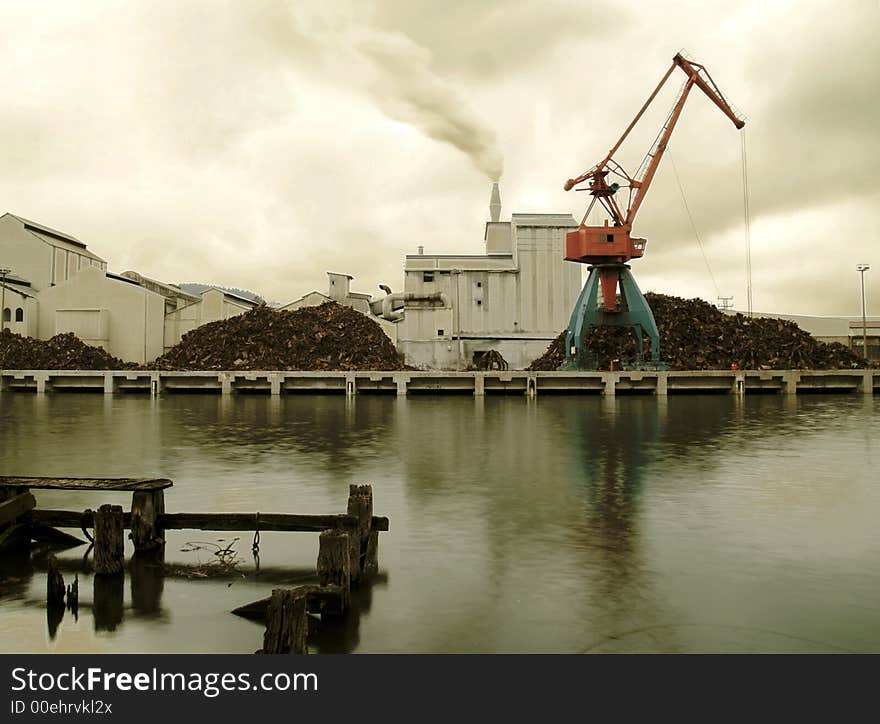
(259,144)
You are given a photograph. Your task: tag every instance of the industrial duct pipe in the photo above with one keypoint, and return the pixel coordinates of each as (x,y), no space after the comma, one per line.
(389,304)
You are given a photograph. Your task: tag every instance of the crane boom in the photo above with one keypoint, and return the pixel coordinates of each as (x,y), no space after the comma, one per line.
(609,247)
(697,75)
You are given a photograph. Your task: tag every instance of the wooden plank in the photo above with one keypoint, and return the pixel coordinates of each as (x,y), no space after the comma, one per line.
(248,521)
(46,534)
(16,506)
(67,518)
(205,521)
(126,484)
(318,597)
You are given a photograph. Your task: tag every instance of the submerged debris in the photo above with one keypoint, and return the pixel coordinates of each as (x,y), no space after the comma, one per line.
(694,335)
(328,337)
(62,352)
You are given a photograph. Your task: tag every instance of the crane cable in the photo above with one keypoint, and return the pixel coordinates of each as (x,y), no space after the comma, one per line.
(745,185)
(693,225)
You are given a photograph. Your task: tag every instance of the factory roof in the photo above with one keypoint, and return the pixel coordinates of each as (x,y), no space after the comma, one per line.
(22,288)
(54,237)
(543,220)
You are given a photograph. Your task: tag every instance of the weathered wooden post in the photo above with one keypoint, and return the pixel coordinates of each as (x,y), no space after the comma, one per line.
(334,566)
(109,541)
(146,532)
(54,584)
(73,596)
(287,622)
(360,505)
(108,597)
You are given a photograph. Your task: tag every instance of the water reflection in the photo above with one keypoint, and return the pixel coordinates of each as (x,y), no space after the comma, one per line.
(555,524)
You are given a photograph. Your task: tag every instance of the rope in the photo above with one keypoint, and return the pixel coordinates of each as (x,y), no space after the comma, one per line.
(745,185)
(82,524)
(693,225)
(255,547)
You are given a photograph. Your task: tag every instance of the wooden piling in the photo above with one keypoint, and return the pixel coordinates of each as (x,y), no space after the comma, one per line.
(73,596)
(146,530)
(109,541)
(54,584)
(287,623)
(360,505)
(334,565)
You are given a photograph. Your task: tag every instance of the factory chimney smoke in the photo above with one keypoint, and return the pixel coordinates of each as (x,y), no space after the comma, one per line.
(408,90)
(495,203)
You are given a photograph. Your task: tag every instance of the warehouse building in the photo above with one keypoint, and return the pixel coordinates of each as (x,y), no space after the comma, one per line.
(514,299)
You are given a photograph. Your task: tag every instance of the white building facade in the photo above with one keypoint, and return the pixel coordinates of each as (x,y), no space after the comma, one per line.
(514,299)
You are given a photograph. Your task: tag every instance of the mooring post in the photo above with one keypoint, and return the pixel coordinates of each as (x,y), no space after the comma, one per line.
(109,541)
(287,622)
(360,505)
(146,507)
(334,565)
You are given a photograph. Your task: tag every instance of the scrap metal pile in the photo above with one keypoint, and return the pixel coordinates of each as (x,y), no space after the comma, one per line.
(694,335)
(328,337)
(62,352)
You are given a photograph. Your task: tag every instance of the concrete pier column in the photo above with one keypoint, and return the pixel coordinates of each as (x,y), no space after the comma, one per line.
(867,385)
(479,385)
(350,385)
(225,383)
(531,386)
(275,384)
(662,389)
(402,382)
(739,383)
(610,381)
(789,382)
(42,383)
(155,384)
(109,383)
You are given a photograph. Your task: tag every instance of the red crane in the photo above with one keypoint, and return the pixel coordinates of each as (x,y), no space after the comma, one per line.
(608,247)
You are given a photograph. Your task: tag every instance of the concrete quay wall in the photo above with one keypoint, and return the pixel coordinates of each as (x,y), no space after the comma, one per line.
(526,383)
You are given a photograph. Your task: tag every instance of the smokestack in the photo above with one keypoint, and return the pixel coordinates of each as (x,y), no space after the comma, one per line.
(495,203)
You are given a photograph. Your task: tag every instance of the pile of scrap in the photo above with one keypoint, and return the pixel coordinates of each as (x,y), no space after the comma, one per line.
(62,352)
(694,335)
(328,337)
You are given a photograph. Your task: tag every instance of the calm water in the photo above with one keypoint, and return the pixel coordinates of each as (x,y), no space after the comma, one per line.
(562,524)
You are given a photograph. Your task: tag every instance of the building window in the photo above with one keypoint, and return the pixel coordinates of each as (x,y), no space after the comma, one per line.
(19,315)
(439,332)
(427,276)
(479,302)
(7,315)
(479,285)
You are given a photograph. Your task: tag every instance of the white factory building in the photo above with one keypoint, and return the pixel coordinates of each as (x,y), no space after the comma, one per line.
(55,284)
(514,299)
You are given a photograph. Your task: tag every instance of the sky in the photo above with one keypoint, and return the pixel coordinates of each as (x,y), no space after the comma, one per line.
(260,144)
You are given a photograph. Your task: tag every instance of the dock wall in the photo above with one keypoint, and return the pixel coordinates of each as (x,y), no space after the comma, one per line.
(788,382)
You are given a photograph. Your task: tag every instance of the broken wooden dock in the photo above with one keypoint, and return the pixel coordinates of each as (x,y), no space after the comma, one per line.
(348,549)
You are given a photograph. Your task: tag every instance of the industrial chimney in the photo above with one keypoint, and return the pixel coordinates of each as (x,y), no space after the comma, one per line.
(495,203)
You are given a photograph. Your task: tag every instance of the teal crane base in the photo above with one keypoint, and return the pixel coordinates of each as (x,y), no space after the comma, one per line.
(633,312)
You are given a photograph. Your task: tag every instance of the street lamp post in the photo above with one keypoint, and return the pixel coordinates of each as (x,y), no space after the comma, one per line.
(862,268)
(3,273)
